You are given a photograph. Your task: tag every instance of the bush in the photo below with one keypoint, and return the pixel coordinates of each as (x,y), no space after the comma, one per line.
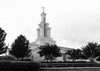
(25,66)
(25,60)
(18,66)
(68,62)
(5,66)
(70,65)
(7,58)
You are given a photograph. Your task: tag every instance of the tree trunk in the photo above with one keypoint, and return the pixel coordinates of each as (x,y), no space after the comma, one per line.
(50,60)
(47,60)
(17,59)
(91,60)
(22,59)
(73,60)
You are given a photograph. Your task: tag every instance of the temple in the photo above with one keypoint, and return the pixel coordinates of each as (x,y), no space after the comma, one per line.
(43,37)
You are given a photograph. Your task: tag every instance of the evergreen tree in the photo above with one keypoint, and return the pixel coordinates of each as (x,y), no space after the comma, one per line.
(2,43)
(20,47)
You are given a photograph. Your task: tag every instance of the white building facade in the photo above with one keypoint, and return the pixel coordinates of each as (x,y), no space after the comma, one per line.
(43,37)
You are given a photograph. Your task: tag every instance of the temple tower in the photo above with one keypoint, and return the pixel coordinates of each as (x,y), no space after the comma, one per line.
(44,31)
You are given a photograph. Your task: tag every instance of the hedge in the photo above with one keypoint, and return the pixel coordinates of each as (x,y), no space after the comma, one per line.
(19,66)
(11,58)
(70,65)
(69,62)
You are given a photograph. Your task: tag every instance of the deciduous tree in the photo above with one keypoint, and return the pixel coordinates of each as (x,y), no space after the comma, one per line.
(50,52)
(91,50)
(74,54)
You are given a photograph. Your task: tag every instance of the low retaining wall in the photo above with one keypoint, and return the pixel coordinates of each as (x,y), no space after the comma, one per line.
(71,69)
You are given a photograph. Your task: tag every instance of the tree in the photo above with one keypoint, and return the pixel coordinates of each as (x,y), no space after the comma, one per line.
(91,50)
(50,52)
(20,47)
(2,43)
(74,54)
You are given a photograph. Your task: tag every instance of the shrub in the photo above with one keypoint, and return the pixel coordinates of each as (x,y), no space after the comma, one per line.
(5,66)
(18,66)
(70,65)
(25,66)
(25,60)
(7,58)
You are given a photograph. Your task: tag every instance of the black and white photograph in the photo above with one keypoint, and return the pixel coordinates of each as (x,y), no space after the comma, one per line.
(49,35)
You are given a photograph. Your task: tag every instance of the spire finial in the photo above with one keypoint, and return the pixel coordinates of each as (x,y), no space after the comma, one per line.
(43,9)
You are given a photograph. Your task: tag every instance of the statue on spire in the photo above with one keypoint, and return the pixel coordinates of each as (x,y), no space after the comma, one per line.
(43,16)
(43,9)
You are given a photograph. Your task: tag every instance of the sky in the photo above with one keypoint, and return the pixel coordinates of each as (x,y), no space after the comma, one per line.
(74,23)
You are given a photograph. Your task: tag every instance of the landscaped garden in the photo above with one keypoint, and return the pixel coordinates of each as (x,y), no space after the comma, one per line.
(16,59)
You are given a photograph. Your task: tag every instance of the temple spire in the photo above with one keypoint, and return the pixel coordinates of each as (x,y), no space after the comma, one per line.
(43,16)
(43,9)
(44,31)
